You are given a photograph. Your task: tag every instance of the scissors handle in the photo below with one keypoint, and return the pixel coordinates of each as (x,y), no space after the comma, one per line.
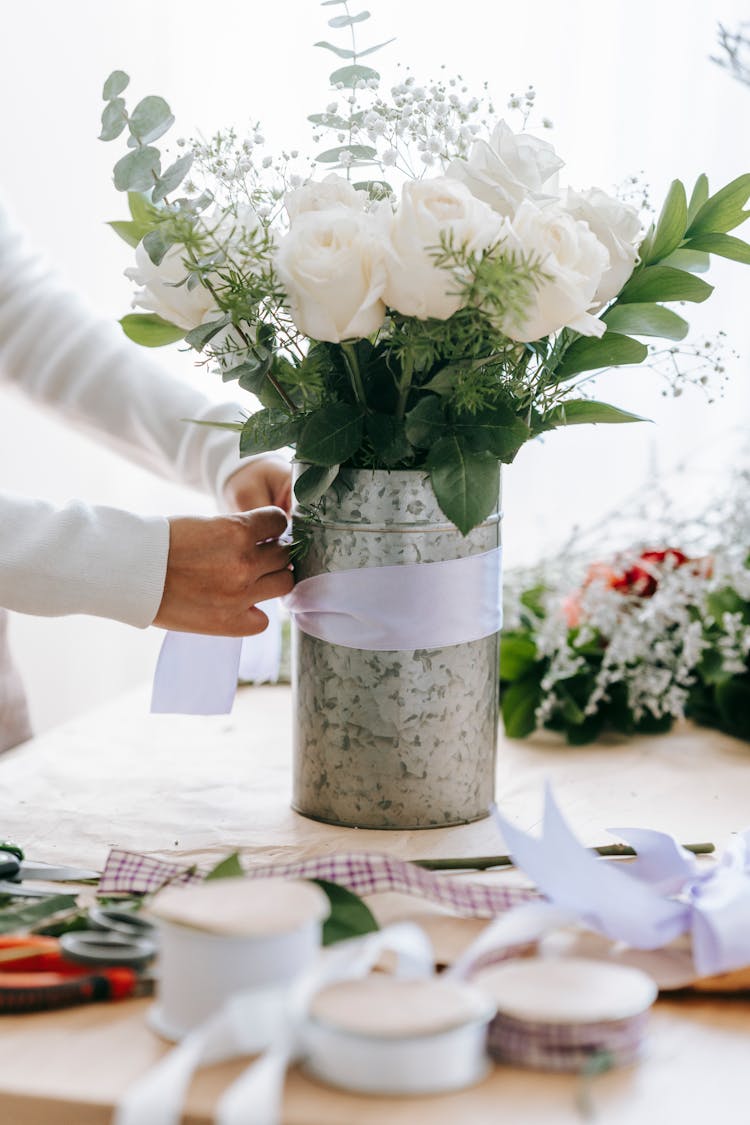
(40,979)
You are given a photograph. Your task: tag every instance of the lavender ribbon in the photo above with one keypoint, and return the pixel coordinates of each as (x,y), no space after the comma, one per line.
(382,608)
(652,901)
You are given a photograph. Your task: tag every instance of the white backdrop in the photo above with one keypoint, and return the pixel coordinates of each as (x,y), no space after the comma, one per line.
(630,88)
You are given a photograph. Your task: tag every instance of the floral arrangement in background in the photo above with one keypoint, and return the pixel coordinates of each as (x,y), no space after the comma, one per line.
(432,302)
(648,637)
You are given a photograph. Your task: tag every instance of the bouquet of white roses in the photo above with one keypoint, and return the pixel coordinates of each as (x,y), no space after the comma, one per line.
(438,327)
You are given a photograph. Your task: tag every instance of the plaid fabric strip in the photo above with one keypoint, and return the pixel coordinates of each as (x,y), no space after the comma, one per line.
(566,1046)
(362,873)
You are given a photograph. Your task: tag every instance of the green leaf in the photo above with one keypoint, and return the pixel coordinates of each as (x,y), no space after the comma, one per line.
(348,75)
(115,84)
(698,197)
(150,330)
(251,374)
(372,50)
(358,152)
(664,283)
(723,211)
(172,177)
(150,119)
(388,437)
(331,434)
(350,916)
(465,482)
(342,52)
(588,353)
(692,261)
(725,245)
(142,209)
(646,319)
(582,411)
(129,232)
(314,482)
(494,428)
(425,423)
(733,704)
(671,224)
(347,21)
(518,655)
(18,918)
(329,120)
(228,868)
(376,189)
(114,119)
(518,705)
(156,243)
(198,337)
(136,170)
(267,429)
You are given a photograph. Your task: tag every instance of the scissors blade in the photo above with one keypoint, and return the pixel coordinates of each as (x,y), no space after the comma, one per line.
(56,874)
(18,890)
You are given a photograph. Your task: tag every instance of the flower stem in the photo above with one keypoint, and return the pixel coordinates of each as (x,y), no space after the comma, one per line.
(404,386)
(350,358)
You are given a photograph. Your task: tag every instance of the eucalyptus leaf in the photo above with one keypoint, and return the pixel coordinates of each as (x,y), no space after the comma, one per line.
(376,189)
(725,245)
(329,120)
(664,283)
(228,868)
(266,430)
(724,210)
(347,21)
(115,84)
(588,353)
(172,177)
(646,319)
(342,52)
(137,170)
(198,337)
(114,119)
(348,75)
(150,119)
(372,50)
(150,330)
(350,917)
(465,482)
(331,434)
(583,411)
(358,152)
(671,225)
(156,243)
(314,482)
(425,422)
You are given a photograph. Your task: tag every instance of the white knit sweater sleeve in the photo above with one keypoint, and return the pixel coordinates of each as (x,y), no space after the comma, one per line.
(81,559)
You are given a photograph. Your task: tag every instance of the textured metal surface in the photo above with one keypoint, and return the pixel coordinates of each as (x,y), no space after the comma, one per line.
(392,739)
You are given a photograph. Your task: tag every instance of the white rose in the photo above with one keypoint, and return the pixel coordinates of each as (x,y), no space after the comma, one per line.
(429,210)
(164,288)
(617,226)
(322,195)
(574,262)
(508,169)
(331,264)
(161,290)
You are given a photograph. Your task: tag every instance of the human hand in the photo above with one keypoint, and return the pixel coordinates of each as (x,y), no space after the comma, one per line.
(262,481)
(219,567)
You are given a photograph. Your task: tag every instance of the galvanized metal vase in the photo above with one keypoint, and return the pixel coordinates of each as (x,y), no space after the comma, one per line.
(392,739)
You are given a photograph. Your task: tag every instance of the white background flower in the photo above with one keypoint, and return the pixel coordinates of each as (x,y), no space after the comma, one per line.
(428,210)
(164,289)
(617,226)
(574,261)
(331,264)
(507,169)
(322,195)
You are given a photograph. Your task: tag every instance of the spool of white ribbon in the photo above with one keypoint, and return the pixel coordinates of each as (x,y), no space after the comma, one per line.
(384,609)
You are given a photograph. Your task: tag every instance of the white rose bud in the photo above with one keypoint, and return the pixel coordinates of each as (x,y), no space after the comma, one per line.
(617,226)
(429,210)
(508,169)
(331,264)
(574,262)
(322,195)
(162,293)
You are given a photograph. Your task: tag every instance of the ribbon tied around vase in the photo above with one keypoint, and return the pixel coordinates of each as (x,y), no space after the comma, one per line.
(384,609)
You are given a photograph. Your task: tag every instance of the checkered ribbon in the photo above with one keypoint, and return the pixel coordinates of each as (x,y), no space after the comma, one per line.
(566,1046)
(362,873)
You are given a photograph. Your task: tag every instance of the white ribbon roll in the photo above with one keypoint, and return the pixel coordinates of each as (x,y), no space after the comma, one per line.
(381,608)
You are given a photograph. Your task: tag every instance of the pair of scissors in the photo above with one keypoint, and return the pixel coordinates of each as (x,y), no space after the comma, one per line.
(106,962)
(14,868)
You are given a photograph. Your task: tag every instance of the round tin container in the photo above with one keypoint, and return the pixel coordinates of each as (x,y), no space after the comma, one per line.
(387,1035)
(230,936)
(557,1014)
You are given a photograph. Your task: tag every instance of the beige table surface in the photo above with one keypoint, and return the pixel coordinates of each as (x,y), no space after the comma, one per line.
(196,788)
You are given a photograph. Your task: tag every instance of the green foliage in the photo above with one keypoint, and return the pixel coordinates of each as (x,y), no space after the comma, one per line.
(465,481)
(150,330)
(723,211)
(725,245)
(150,120)
(332,434)
(646,320)
(136,170)
(671,225)
(115,84)
(664,283)
(348,76)
(584,411)
(357,152)
(350,917)
(314,482)
(17,918)
(588,353)
(267,430)
(228,868)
